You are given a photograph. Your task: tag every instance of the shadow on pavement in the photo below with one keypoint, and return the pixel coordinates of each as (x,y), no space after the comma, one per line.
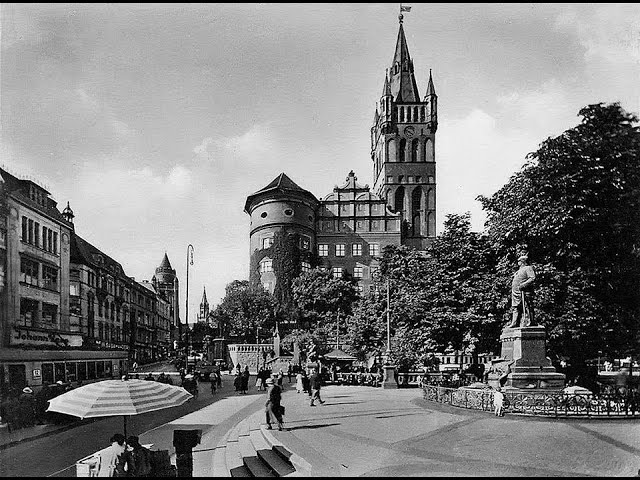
(400,415)
(311,427)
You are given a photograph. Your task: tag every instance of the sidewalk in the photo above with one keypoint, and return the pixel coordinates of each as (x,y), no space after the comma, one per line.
(375,432)
(8,439)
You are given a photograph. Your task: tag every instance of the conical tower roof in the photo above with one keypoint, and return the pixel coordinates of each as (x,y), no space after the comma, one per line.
(165,265)
(431,90)
(403,83)
(283,184)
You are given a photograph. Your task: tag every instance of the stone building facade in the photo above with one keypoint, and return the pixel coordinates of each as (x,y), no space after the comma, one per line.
(346,230)
(68,311)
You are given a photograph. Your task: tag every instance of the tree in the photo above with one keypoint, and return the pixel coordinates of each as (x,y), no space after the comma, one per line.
(319,299)
(575,205)
(243,309)
(443,295)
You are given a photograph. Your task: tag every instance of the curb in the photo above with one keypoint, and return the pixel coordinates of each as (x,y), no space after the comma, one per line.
(13,443)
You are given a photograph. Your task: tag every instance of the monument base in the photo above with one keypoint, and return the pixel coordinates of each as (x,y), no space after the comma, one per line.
(389,380)
(524,358)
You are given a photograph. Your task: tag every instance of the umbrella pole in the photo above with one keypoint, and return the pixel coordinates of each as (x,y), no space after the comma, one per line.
(125,427)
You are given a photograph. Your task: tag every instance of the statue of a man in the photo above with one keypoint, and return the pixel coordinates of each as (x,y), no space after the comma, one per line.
(522,294)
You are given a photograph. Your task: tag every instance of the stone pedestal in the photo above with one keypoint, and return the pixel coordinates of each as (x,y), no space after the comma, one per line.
(531,368)
(389,380)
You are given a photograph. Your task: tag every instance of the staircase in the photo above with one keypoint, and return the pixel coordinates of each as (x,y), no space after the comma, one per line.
(249,450)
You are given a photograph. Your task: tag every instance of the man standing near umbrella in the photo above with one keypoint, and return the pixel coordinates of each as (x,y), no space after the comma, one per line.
(111,461)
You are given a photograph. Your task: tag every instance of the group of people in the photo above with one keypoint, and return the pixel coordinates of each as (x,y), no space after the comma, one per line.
(123,458)
(28,408)
(241,381)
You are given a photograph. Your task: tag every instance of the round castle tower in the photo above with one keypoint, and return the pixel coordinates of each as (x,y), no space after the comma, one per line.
(280,207)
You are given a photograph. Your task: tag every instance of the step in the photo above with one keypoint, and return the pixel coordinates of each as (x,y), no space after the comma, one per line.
(232,456)
(251,460)
(278,464)
(303,467)
(220,463)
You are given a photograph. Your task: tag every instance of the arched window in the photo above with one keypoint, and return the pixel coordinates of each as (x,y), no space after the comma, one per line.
(416,208)
(431,199)
(408,114)
(415,114)
(401,113)
(398,203)
(391,150)
(428,150)
(415,144)
(431,224)
(422,113)
(403,147)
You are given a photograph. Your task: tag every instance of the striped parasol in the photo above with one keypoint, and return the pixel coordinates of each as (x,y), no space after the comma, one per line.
(118,397)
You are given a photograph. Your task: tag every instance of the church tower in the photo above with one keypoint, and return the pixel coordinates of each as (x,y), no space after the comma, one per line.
(203,315)
(403,148)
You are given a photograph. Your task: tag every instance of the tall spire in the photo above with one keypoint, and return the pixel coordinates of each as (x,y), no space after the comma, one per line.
(204,297)
(403,83)
(431,90)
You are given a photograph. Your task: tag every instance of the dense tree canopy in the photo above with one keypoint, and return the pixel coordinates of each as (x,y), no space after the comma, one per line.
(576,207)
(243,309)
(444,295)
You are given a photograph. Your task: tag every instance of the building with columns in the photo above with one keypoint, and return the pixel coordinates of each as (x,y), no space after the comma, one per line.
(346,230)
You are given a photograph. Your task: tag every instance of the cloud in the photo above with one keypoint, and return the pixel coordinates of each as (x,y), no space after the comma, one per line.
(609,33)
(477,154)
(255,142)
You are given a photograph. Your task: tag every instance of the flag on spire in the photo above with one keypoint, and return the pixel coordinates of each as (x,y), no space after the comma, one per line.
(405,8)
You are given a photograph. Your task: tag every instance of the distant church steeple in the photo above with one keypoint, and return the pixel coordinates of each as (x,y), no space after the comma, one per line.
(203,315)
(403,147)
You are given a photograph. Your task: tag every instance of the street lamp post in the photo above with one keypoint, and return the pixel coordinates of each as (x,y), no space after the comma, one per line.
(257,348)
(389,369)
(186,363)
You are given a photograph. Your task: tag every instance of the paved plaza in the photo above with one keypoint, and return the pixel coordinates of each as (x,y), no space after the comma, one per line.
(364,431)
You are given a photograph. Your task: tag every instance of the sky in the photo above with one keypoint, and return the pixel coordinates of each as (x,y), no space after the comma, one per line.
(157,121)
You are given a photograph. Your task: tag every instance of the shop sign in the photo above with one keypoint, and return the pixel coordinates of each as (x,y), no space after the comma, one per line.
(36,373)
(28,336)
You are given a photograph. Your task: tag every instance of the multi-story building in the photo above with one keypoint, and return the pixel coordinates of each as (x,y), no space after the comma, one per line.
(68,311)
(348,228)
(41,342)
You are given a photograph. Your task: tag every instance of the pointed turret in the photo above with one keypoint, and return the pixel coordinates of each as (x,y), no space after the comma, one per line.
(431,90)
(67,213)
(432,103)
(165,263)
(204,297)
(403,82)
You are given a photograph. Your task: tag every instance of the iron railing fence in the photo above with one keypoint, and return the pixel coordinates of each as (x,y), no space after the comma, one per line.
(540,403)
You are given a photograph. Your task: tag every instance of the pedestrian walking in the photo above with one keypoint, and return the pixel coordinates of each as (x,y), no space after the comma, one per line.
(498,402)
(245,379)
(299,385)
(315,384)
(237,382)
(280,378)
(212,380)
(260,379)
(305,383)
(289,372)
(273,408)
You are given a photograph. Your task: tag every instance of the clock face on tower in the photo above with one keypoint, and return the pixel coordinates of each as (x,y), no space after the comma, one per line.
(409,131)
